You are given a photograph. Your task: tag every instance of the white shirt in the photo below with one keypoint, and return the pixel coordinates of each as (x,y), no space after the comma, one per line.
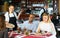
(49,27)
(33,26)
(10,15)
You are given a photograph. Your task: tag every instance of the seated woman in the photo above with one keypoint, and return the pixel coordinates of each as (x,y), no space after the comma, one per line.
(3,29)
(46,26)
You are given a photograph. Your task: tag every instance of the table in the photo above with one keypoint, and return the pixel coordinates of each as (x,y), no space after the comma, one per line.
(17,35)
(29,36)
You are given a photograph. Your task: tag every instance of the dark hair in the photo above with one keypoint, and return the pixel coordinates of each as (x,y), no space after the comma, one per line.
(2,22)
(11,5)
(32,14)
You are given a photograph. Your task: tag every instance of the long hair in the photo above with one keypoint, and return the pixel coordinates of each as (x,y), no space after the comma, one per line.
(2,22)
(46,14)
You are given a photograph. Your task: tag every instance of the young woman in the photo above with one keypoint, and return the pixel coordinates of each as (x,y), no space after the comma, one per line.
(46,26)
(11,16)
(3,29)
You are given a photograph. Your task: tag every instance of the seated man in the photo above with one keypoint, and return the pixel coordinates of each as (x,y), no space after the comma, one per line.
(30,24)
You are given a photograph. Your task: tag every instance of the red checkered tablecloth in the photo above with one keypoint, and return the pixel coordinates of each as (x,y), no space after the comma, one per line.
(16,35)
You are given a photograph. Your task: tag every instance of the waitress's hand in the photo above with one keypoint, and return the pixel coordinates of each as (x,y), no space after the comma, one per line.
(9,25)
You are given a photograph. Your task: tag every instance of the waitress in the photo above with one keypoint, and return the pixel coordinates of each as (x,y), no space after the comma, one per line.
(11,16)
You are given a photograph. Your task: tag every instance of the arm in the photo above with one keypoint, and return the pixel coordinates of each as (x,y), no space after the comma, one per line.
(6,17)
(35,26)
(19,14)
(53,29)
(38,29)
(15,15)
(9,25)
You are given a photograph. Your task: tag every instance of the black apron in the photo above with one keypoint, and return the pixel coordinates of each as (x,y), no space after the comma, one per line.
(12,20)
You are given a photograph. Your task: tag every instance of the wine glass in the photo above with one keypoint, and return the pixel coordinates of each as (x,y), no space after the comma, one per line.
(19,30)
(30,31)
(10,30)
(24,30)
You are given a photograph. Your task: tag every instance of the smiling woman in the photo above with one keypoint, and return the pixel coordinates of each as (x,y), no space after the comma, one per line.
(46,26)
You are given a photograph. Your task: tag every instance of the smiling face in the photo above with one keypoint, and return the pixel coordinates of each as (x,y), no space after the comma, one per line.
(31,17)
(11,8)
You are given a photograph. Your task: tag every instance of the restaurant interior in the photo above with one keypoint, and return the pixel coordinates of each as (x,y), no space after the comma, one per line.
(33,7)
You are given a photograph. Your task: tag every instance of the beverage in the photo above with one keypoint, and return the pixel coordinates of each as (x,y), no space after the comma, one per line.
(30,31)
(10,30)
(24,30)
(19,30)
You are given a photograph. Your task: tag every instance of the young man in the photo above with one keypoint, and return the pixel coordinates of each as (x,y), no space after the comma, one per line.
(30,24)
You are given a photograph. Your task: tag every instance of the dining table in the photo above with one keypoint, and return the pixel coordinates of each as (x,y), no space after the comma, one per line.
(14,34)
